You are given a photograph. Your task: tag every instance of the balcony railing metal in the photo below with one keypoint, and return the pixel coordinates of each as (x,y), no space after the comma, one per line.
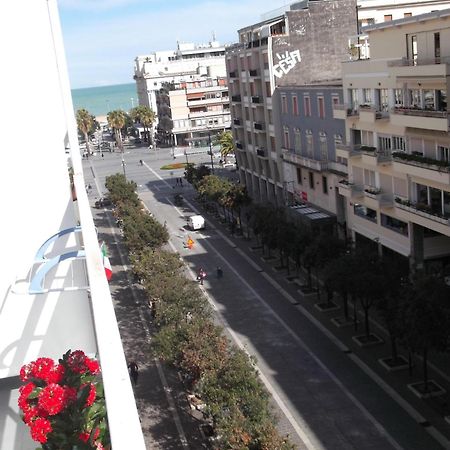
(412,111)
(304,161)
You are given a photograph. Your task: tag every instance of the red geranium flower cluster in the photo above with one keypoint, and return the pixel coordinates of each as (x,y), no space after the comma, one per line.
(55,393)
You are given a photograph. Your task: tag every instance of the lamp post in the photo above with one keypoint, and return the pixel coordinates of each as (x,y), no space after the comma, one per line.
(123,166)
(186,155)
(211,152)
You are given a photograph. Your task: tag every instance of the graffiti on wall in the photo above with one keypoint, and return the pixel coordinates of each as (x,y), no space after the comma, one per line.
(287,61)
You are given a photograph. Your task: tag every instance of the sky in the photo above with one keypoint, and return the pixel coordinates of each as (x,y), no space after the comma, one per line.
(103,37)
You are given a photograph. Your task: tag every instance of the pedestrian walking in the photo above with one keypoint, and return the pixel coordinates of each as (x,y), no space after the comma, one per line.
(219,272)
(133,370)
(201,276)
(181,182)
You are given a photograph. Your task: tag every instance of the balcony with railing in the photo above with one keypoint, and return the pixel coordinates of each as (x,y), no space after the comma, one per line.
(259,126)
(413,117)
(371,156)
(294,158)
(257,99)
(423,215)
(370,113)
(350,190)
(342,111)
(376,198)
(422,167)
(437,67)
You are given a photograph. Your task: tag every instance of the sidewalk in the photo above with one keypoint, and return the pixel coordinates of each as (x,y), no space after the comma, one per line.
(431,414)
(162,404)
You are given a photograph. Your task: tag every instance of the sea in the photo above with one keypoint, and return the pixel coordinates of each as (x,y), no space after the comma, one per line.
(102,99)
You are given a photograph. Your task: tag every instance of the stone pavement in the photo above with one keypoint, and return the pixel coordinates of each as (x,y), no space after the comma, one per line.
(156,410)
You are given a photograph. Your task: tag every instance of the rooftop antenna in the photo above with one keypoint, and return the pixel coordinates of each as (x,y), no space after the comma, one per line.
(214,36)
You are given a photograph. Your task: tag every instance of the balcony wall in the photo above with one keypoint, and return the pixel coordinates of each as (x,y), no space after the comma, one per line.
(64,316)
(425,120)
(302,161)
(424,171)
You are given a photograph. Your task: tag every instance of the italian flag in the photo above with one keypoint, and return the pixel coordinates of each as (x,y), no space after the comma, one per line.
(106,263)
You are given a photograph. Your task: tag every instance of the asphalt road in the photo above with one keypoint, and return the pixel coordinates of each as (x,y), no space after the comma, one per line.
(322,395)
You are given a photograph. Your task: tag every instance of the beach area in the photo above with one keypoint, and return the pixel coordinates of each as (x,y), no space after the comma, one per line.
(100,100)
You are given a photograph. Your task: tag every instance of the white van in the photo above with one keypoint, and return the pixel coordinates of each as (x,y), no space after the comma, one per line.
(196,222)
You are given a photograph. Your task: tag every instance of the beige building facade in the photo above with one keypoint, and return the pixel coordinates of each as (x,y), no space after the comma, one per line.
(397,127)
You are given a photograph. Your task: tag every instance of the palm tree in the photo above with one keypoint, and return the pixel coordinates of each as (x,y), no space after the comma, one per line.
(226,142)
(145,116)
(117,120)
(86,124)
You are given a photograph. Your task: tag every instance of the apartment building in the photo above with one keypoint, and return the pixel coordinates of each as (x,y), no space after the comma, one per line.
(397,127)
(192,111)
(309,134)
(287,48)
(53,289)
(188,62)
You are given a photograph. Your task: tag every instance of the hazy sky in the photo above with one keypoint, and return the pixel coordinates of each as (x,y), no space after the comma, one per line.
(102,37)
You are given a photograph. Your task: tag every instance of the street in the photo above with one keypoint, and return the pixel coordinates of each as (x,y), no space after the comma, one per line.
(324,397)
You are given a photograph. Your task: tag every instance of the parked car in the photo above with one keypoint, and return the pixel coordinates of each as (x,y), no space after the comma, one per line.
(138,141)
(102,202)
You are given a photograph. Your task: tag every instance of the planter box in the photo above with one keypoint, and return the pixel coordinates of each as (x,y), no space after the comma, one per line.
(364,341)
(388,363)
(434,389)
(326,306)
(342,322)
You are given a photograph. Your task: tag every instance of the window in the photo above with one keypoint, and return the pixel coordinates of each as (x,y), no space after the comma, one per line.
(407,14)
(294,105)
(325,185)
(394,224)
(384,143)
(311,180)
(307,106)
(283,104)
(387,17)
(414,98)
(309,143)
(367,96)
(321,107)
(398,143)
(323,146)
(268,89)
(398,97)
(437,47)
(384,100)
(354,100)
(443,153)
(297,141)
(286,137)
(337,139)
(335,99)
(299,175)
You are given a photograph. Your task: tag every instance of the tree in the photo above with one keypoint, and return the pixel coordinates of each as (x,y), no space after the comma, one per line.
(86,124)
(194,174)
(145,116)
(117,120)
(427,318)
(226,142)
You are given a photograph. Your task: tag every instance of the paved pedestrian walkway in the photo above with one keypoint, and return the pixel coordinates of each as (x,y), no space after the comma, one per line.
(163,408)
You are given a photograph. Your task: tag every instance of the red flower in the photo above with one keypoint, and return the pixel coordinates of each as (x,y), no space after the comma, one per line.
(25,371)
(25,391)
(56,374)
(76,361)
(70,395)
(39,430)
(42,368)
(91,396)
(92,365)
(52,399)
(30,413)
(84,436)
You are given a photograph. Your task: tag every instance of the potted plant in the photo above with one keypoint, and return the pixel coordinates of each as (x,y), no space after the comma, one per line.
(63,403)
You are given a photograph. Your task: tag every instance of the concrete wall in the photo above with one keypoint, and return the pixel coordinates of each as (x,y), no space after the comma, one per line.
(320,33)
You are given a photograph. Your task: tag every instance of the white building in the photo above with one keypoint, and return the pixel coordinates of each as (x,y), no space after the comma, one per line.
(53,290)
(188,62)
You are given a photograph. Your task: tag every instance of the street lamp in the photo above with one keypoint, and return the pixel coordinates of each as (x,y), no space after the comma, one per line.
(123,166)
(211,152)
(185,154)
